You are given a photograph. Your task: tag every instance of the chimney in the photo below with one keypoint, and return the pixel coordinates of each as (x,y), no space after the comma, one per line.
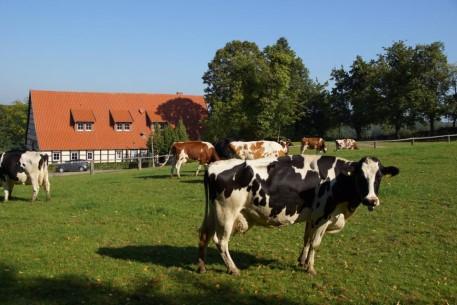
(179,93)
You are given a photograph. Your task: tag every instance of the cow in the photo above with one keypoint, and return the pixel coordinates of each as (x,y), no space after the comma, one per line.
(200,151)
(322,191)
(313,143)
(24,167)
(258,149)
(345,144)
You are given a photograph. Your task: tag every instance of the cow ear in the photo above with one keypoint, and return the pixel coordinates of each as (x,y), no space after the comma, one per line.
(390,170)
(349,168)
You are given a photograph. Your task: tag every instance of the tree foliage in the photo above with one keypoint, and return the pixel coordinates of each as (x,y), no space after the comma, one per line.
(252,93)
(13,125)
(162,139)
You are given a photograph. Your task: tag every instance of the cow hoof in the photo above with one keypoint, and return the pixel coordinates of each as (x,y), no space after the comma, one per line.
(311,271)
(233,272)
(201,269)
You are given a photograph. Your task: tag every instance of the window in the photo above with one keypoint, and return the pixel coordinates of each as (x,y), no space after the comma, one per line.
(56,156)
(90,155)
(118,154)
(119,126)
(74,155)
(89,126)
(126,126)
(80,127)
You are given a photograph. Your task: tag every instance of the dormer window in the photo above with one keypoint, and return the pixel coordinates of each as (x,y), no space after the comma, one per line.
(82,119)
(121,120)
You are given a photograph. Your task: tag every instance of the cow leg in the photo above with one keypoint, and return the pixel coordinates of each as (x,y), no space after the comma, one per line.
(47,186)
(306,245)
(303,148)
(198,169)
(207,231)
(223,232)
(180,162)
(8,186)
(35,187)
(315,241)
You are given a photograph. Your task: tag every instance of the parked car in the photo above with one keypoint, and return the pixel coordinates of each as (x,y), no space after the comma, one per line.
(72,166)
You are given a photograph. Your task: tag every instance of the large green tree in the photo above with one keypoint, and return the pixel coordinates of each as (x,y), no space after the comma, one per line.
(451,98)
(13,125)
(355,96)
(254,94)
(432,73)
(398,85)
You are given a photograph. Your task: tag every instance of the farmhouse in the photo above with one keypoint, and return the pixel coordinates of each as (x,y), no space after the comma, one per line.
(105,127)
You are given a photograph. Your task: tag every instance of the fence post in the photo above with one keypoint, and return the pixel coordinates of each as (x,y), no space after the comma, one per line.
(449,139)
(412,141)
(374,144)
(139,163)
(92,167)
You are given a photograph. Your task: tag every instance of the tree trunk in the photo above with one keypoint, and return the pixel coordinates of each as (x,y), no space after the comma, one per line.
(432,125)
(453,123)
(397,131)
(358,132)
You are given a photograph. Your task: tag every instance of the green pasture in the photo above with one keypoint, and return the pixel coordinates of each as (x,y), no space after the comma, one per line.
(130,237)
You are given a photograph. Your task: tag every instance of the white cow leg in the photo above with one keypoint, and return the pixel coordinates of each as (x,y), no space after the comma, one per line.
(47,188)
(306,245)
(8,186)
(180,162)
(223,233)
(36,188)
(198,169)
(316,239)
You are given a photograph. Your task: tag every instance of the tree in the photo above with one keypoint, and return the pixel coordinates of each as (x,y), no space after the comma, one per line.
(398,86)
(355,98)
(431,71)
(317,116)
(253,94)
(181,131)
(451,98)
(13,125)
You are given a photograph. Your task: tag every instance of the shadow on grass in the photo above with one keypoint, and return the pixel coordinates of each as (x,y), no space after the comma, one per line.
(172,256)
(77,289)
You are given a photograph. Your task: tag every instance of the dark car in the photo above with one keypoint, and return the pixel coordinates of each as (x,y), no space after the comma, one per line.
(72,166)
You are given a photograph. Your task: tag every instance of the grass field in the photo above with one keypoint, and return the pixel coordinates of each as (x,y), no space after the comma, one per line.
(131,237)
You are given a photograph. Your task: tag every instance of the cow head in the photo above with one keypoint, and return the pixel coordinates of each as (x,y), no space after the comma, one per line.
(368,173)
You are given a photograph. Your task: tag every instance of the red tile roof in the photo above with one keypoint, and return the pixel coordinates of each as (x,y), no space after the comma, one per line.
(80,115)
(52,110)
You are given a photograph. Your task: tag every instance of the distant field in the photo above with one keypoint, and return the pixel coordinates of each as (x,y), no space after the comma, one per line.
(130,237)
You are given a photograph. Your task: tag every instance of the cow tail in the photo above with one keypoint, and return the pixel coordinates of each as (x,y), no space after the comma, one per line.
(168,157)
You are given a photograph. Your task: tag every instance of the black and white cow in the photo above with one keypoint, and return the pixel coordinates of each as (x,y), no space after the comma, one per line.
(24,167)
(322,191)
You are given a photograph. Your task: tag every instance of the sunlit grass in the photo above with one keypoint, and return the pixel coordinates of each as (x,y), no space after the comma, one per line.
(130,237)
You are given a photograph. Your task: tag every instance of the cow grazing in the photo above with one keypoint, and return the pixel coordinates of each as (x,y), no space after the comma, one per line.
(313,143)
(24,167)
(200,151)
(345,144)
(322,191)
(258,149)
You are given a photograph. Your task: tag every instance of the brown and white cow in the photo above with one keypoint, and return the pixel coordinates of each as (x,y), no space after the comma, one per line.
(345,144)
(200,151)
(322,191)
(24,167)
(258,149)
(313,143)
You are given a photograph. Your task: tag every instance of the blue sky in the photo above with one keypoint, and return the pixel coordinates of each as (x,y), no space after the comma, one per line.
(165,46)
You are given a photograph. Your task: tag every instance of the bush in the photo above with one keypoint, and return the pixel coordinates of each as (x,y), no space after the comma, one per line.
(162,139)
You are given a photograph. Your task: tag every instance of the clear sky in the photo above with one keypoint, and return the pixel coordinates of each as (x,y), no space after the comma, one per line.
(165,46)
